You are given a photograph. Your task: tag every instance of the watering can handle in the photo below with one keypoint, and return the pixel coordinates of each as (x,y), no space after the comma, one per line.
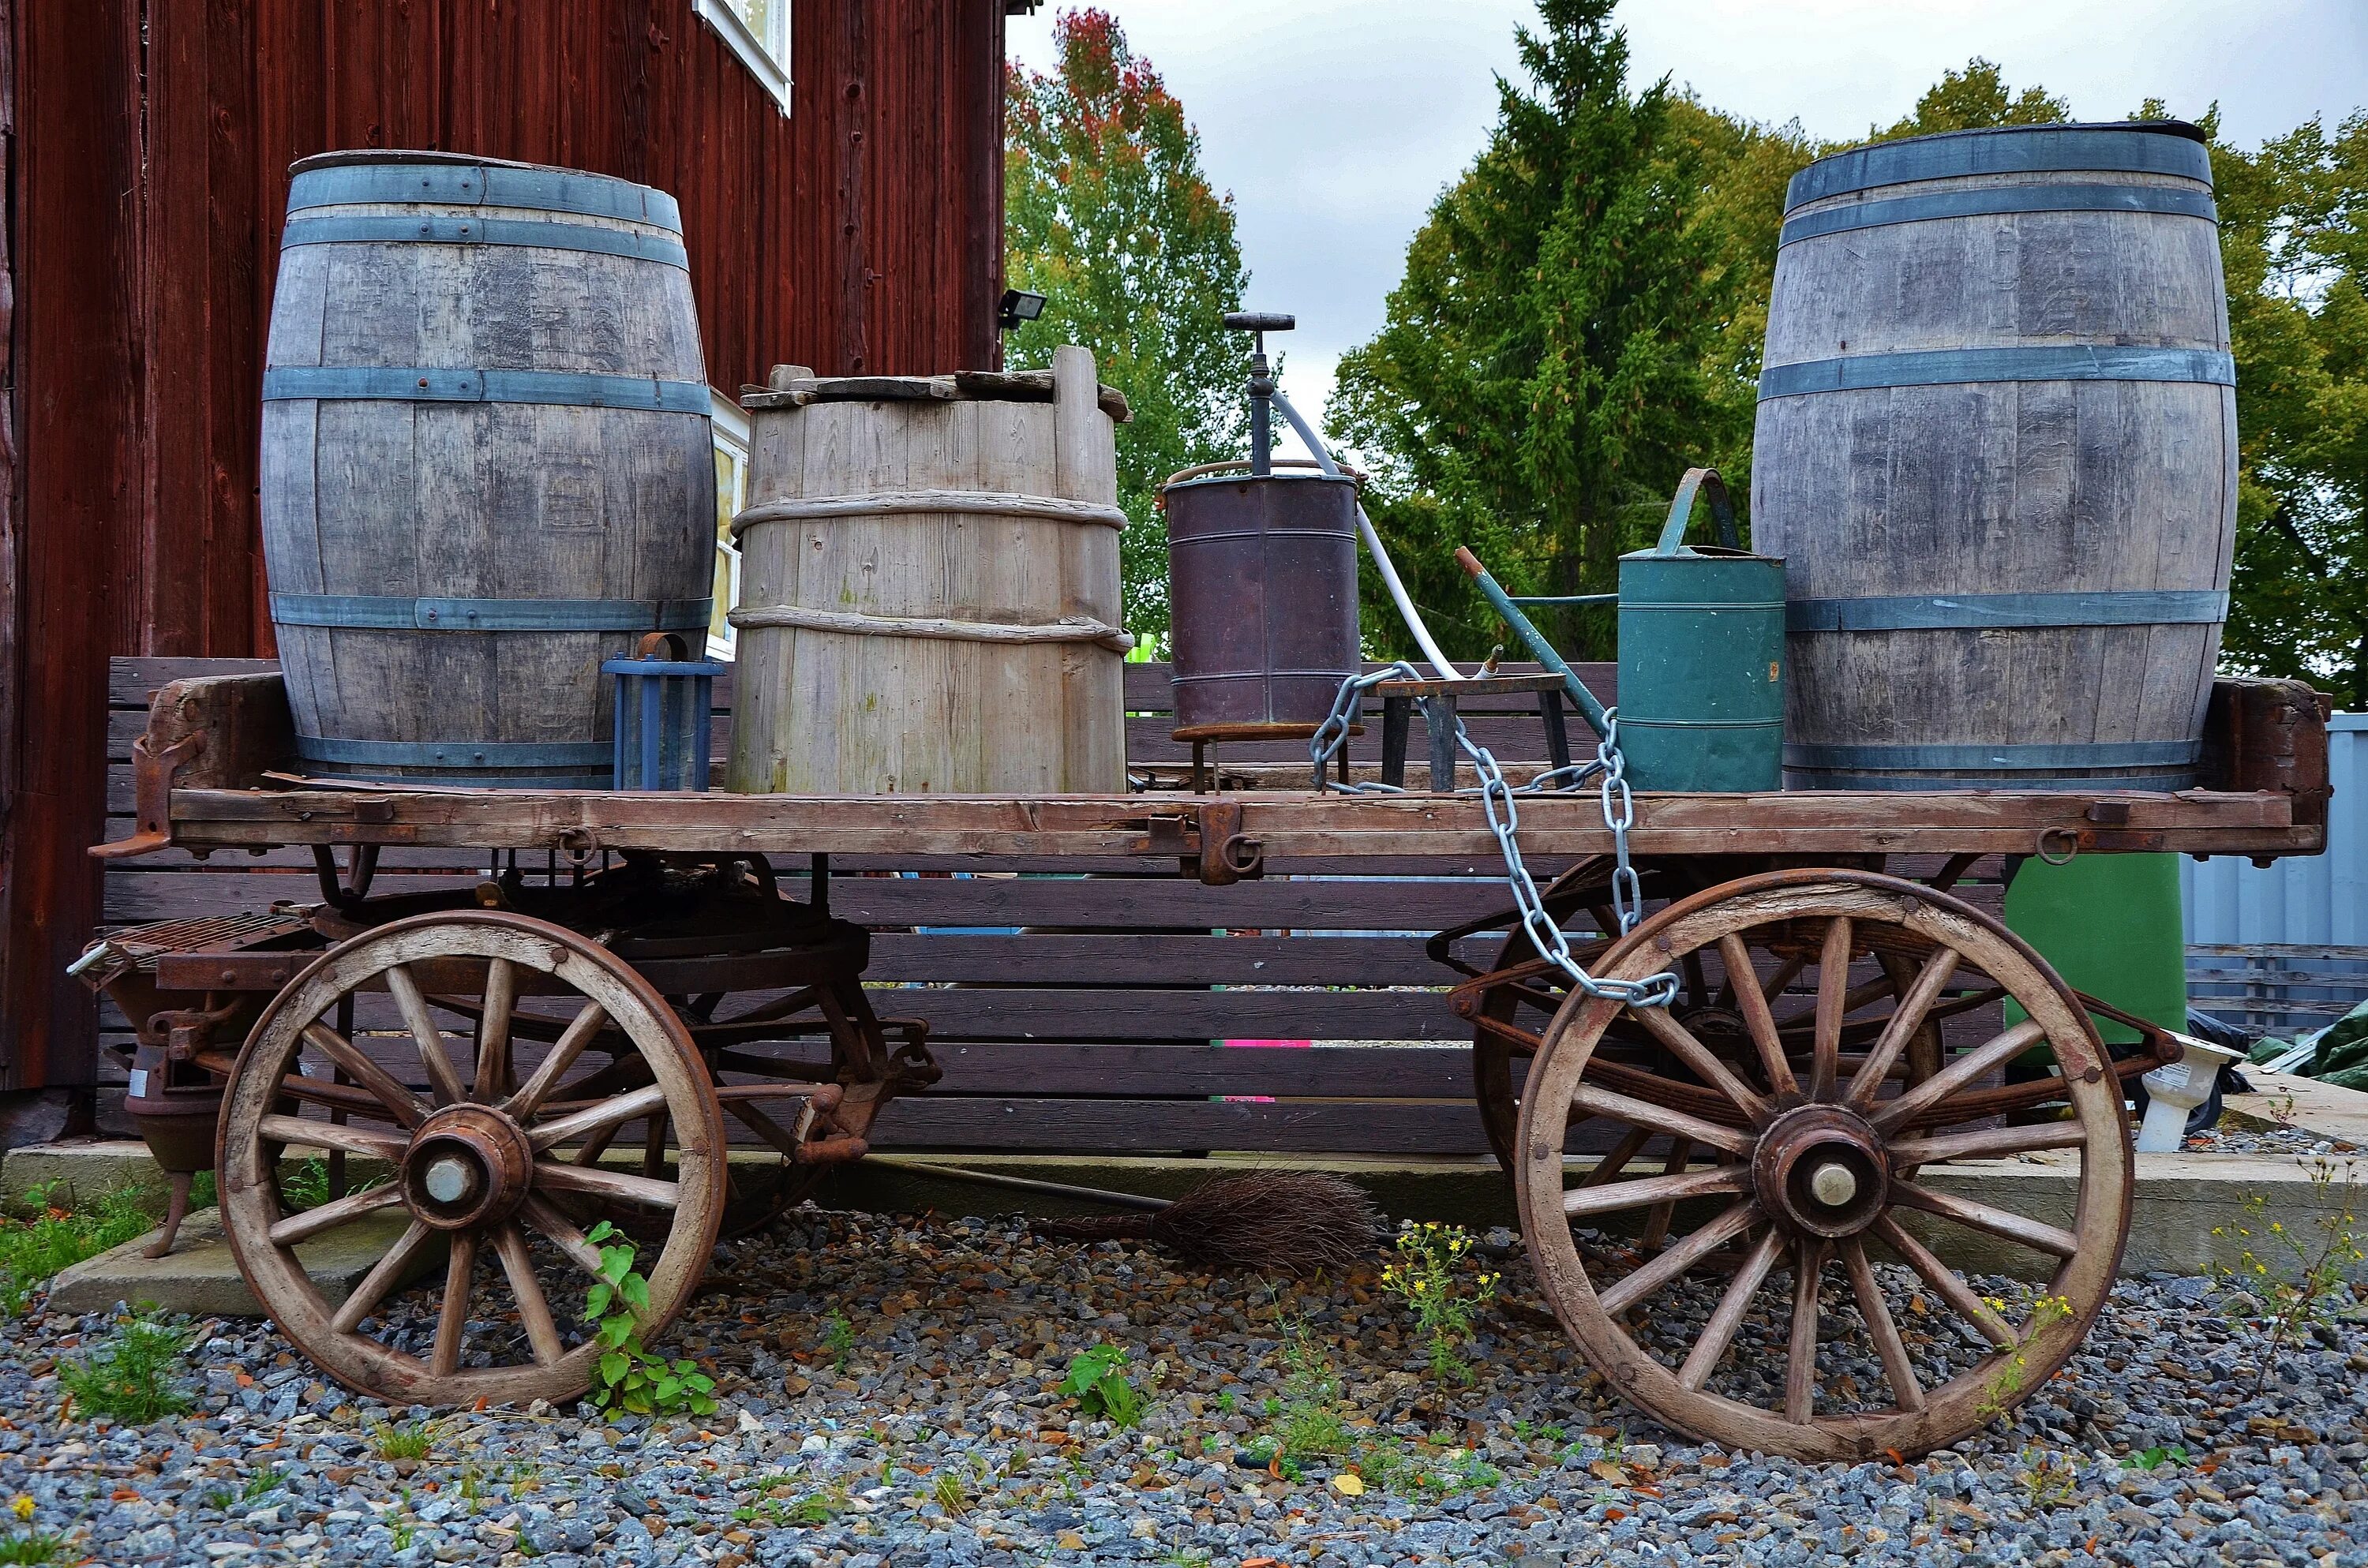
(1681,511)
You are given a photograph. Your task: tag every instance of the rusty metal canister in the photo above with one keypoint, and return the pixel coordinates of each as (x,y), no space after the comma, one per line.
(1263,600)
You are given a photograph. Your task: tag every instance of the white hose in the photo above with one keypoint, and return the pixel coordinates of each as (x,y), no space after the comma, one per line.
(1411,616)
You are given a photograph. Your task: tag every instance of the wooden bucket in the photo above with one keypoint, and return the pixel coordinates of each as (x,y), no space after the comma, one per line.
(930,587)
(486,462)
(1996,449)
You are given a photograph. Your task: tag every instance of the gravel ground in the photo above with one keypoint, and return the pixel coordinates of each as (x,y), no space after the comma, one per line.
(927,1432)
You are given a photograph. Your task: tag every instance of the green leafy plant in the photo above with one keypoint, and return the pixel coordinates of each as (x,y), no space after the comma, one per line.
(629,1376)
(1098,1386)
(33,1546)
(50,1236)
(134,1375)
(408,1441)
(837,1339)
(1426,1469)
(2050,1480)
(950,1493)
(2299,1278)
(1428,1275)
(1308,1423)
(2158,1456)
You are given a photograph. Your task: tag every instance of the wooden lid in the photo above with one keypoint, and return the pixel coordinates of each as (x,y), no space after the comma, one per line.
(791,387)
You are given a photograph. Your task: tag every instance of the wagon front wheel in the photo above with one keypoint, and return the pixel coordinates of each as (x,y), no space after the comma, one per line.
(476,1058)
(1797,1183)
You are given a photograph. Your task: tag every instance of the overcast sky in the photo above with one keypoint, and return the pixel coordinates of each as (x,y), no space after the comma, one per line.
(1335,123)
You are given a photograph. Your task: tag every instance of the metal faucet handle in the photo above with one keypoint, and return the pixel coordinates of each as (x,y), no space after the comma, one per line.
(1259,321)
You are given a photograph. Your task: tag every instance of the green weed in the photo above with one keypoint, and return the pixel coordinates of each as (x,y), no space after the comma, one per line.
(33,1249)
(134,1375)
(409,1440)
(2151,1459)
(2300,1280)
(1100,1388)
(1428,1276)
(629,1376)
(34,1547)
(837,1339)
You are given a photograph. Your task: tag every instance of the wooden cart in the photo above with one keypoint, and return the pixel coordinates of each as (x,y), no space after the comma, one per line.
(1839,1031)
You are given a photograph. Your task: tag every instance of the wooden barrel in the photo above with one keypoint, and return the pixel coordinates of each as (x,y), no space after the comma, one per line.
(1997,448)
(930,587)
(486,462)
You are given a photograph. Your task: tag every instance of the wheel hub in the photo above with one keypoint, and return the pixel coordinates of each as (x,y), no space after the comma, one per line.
(468,1166)
(1822,1170)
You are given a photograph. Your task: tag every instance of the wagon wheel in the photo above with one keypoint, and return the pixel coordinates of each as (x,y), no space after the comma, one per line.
(1820,1172)
(483,1161)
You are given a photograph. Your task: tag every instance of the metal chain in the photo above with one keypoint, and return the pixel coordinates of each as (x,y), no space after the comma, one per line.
(1497,799)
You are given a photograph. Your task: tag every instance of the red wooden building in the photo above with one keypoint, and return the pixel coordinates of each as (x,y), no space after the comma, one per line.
(839,168)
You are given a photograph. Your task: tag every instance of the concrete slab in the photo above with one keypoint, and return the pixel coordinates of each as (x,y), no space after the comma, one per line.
(90,1169)
(201,1278)
(2284,1099)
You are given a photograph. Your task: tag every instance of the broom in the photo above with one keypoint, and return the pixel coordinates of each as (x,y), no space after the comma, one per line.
(1267,1222)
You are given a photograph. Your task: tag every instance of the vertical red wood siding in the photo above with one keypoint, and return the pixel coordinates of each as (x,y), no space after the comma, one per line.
(147,145)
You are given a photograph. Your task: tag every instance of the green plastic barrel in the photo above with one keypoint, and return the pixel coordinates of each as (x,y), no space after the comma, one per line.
(1701,657)
(2111,926)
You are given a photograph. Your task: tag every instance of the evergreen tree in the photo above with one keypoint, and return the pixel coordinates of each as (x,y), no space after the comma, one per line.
(1542,377)
(1108,215)
(1975,100)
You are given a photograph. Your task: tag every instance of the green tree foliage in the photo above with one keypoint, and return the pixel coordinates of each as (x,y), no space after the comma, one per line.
(1108,215)
(1544,375)
(1975,100)
(2294,240)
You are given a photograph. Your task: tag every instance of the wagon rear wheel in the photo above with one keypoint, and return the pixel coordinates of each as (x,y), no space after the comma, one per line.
(1792,1165)
(487,1200)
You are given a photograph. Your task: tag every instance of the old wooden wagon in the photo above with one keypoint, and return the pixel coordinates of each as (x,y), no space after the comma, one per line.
(579,1031)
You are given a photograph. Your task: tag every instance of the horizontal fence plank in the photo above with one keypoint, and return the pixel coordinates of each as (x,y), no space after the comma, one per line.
(1181,1126)
(1132,960)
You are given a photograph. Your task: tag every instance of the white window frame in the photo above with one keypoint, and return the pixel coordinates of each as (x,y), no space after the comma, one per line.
(732,435)
(767,58)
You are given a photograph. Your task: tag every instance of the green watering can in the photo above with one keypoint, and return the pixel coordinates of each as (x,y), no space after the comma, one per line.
(1701,654)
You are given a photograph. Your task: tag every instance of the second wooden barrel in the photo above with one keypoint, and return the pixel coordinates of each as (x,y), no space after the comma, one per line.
(1996,449)
(487,464)
(930,586)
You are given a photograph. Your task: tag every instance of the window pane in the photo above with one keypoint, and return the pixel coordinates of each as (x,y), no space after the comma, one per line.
(768,22)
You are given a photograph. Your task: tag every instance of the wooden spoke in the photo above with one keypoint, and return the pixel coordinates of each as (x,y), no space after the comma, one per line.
(1833,1001)
(534,1311)
(790,1142)
(1656,1223)
(1753,1005)
(1876,1311)
(333,1213)
(1681,1043)
(564,1052)
(2021,1229)
(424,1034)
(617,1184)
(1786,972)
(1801,1361)
(593,1119)
(1962,1073)
(1906,1019)
(297,1130)
(1652,1276)
(1945,1280)
(1632,1143)
(452,1319)
(383,1087)
(562,1234)
(1988,1143)
(493,1080)
(1675,1123)
(384,1275)
(1580,1202)
(1719,1331)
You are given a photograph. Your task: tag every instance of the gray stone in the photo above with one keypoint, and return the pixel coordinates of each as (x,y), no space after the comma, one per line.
(200,1278)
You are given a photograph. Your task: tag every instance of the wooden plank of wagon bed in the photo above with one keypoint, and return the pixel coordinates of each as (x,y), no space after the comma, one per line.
(1286,822)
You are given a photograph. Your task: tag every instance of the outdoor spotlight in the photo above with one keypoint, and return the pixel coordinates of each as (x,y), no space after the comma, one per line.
(1018,305)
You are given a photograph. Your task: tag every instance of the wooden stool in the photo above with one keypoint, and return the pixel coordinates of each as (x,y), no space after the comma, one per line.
(1397,710)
